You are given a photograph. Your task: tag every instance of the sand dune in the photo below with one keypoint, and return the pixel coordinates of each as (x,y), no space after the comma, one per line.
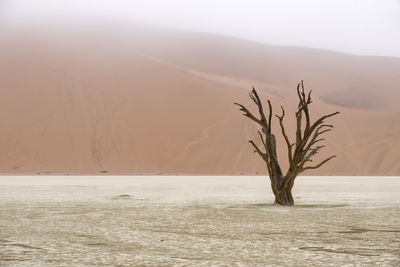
(142,100)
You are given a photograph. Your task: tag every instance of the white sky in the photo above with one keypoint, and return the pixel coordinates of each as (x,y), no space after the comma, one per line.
(364,27)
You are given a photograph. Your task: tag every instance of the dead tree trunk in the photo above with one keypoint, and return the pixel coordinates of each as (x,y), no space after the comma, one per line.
(299,153)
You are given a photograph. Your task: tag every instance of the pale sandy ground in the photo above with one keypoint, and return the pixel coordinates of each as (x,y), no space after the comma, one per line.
(198,221)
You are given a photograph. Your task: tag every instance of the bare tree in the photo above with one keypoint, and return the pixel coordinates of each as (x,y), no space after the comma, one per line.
(300,153)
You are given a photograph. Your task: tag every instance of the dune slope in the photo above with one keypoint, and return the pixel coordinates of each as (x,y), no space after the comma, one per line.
(141,100)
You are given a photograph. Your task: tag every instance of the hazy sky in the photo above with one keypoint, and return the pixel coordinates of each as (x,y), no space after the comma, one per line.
(366,27)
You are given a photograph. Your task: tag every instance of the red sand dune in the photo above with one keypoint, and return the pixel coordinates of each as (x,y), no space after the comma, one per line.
(141,100)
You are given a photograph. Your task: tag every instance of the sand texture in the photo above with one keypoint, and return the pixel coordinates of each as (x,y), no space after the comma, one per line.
(92,99)
(198,221)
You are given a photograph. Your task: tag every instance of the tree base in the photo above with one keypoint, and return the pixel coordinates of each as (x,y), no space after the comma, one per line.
(284,198)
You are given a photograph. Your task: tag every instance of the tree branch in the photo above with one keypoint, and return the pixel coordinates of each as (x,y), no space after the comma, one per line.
(319,165)
(263,155)
(270,117)
(262,138)
(248,114)
(285,135)
(254,96)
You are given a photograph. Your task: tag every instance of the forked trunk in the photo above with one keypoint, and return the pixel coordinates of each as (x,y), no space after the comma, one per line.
(283,194)
(284,198)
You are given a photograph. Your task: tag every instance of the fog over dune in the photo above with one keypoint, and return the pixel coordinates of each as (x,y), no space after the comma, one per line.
(352,26)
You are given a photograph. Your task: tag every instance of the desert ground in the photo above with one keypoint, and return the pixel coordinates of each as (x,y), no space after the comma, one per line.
(197,220)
